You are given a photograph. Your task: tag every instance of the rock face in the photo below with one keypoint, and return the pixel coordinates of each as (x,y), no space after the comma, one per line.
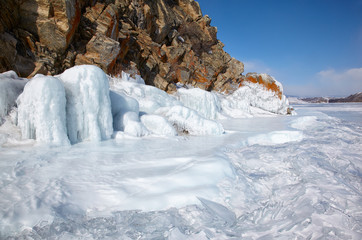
(168,41)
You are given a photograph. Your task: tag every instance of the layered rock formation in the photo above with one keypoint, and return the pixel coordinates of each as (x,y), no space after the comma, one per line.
(168,41)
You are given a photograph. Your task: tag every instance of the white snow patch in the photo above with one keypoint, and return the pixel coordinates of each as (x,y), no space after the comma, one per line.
(41,111)
(88,106)
(304,123)
(276,137)
(158,125)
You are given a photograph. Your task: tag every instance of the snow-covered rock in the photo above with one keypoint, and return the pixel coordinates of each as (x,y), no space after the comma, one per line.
(121,104)
(255,95)
(133,126)
(41,111)
(88,107)
(205,103)
(149,98)
(189,121)
(11,87)
(158,125)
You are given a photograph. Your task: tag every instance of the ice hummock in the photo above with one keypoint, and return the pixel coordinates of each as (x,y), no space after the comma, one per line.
(41,111)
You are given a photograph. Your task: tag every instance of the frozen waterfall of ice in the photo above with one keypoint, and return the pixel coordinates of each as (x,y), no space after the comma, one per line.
(41,111)
(88,107)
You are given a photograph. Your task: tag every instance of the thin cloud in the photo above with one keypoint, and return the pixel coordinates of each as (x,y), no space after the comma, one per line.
(257,66)
(341,83)
(330,83)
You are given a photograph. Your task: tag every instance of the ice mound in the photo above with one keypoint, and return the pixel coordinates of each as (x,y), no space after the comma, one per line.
(88,105)
(11,87)
(149,98)
(41,111)
(275,137)
(121,104)
(207,104)
(158,125)
(189,121)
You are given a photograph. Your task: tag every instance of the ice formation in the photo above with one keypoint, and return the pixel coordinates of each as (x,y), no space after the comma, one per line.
(255,95)
(11,87)
(158,125)
(189,121)
(207,104)
(88,107)
(99,106)
(149,98)
(41,111)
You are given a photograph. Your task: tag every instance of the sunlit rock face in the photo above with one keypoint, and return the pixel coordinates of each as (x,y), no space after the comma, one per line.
(168,42)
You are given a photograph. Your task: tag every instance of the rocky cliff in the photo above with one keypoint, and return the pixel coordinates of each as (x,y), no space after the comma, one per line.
(167,41)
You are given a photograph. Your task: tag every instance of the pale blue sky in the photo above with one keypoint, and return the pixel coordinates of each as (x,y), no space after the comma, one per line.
(313,47)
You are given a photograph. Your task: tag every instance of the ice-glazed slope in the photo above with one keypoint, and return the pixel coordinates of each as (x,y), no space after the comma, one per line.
(88,104)
(41,111)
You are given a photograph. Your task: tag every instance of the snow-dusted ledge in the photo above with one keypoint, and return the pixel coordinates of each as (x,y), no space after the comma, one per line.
(84,104)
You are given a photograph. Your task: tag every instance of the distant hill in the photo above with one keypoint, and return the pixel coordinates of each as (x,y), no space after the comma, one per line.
(316,100)
(352,98)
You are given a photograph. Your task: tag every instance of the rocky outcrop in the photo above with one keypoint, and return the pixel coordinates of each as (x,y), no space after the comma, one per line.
(169,42)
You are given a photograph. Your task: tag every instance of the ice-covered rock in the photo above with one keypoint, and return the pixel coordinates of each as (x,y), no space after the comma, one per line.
(41,111)
(149,98)
(158,125)
(88,107)
(122,104)
(255,95)
(133,126)
(205,103)
(11,87)
(189,121)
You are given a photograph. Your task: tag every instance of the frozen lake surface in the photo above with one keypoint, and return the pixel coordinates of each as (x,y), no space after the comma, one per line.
(284,177)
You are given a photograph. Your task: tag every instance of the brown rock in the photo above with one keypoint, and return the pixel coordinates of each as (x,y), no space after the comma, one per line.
(39,69)
(54,22)
(101,51)
(9,14)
